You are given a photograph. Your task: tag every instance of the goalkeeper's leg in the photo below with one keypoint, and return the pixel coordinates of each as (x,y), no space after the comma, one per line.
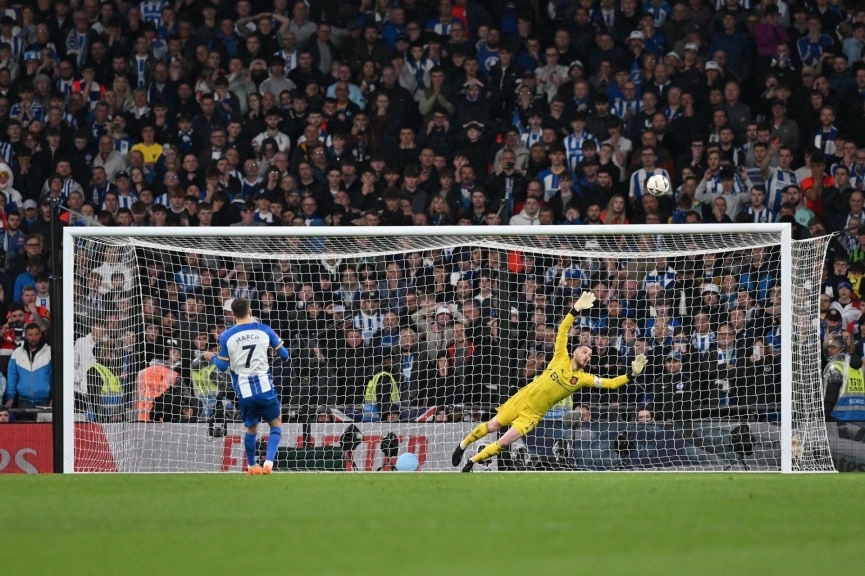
(494,449)
(479,432)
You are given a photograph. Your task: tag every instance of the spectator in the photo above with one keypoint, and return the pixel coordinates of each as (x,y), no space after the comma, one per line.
(672,394)
(28,277)
(29,378)
(529,214)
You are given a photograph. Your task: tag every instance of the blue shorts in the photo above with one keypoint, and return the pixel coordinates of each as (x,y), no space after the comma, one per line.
(257,408)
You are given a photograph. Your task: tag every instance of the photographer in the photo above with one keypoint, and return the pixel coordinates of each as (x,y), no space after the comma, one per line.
(210,386)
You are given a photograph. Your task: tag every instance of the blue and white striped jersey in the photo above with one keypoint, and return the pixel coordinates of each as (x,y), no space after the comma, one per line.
(16,43)
(665,279)
(762,216)
(126,201)
(744,4)
(163,199)
(290,60)
(187,279)
(620,107)
(776,182)
(151,11)
(660,13)
(574,148)
(529,138)
(7,153)
(438,27)
(703,342)
(550,180)
(244,347)
(713,185)
(825,141)
(368,325)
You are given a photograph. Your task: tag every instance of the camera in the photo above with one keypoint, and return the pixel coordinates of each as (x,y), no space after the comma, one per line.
(741,444)
(216,423)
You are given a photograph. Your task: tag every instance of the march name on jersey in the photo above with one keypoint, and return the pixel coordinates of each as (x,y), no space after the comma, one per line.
(244,347)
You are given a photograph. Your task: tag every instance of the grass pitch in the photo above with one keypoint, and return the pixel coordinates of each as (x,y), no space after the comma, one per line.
(454,524)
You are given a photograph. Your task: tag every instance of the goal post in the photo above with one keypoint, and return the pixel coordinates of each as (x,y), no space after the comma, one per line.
(413,335)
(786,351)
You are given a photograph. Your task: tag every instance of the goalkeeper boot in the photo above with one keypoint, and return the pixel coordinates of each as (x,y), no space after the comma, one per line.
(457,456)
(468,467)
(254,470)
(267,469)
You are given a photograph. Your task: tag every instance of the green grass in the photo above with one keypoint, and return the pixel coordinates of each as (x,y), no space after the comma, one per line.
(598,524)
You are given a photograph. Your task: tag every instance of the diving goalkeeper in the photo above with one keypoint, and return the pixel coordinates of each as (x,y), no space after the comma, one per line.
(563,376)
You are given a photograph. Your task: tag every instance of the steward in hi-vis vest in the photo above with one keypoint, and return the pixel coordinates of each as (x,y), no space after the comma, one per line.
(844,381)
(104,386)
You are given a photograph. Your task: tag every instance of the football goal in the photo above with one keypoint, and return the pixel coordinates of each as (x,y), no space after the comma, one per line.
(403,339)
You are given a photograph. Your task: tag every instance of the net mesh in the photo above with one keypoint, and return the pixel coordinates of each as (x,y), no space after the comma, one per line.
(810,445)
(404,344)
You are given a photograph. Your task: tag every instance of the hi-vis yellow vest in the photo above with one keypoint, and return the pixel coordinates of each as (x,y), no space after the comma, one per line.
(370,396)
(202,382)
(850,406)
(110,383)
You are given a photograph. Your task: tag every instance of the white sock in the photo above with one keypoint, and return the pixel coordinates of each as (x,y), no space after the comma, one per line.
(463,444)
(268,463)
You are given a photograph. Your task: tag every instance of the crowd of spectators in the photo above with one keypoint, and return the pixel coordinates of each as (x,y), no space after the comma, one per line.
(417,112)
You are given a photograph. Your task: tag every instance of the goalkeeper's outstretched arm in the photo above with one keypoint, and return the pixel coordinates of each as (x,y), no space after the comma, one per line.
(586,301)
(636,368)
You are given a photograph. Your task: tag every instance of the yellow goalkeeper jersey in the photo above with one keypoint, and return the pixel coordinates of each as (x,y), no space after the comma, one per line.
(559,380)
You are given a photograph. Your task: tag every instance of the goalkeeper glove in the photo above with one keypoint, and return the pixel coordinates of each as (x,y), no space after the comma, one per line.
(586,301)
(637,366)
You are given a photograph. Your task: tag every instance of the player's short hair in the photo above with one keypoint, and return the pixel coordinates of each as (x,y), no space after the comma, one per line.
(240,308)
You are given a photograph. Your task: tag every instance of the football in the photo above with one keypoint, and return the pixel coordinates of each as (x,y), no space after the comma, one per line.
(407,462)
(658,185)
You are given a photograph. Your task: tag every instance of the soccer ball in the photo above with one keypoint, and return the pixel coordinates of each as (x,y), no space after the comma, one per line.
(658,185)
(407,462)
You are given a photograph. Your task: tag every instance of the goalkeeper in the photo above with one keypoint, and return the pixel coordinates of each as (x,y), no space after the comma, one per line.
(563,376)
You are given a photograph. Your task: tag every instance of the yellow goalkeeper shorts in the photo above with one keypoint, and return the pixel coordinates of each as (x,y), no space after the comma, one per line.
(516,412)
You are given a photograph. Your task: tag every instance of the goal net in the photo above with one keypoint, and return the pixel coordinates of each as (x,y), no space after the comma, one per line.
(402,340)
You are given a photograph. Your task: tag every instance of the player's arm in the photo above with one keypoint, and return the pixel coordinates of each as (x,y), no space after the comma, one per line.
(277,344)
(637,367)
(220,360)
(586,301)
(592,381)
